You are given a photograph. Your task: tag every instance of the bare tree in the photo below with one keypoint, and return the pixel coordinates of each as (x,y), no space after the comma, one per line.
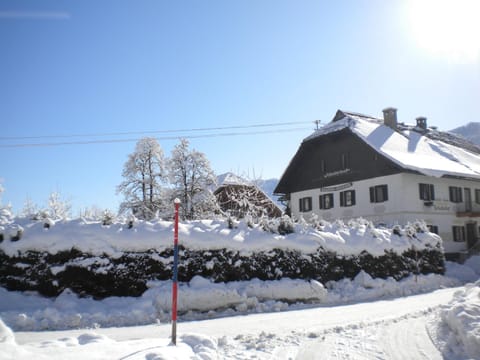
(192,178)
(143,173)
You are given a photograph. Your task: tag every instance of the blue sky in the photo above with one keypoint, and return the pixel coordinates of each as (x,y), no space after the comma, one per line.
(92,67)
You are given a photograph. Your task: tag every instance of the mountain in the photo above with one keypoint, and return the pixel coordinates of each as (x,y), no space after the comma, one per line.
(471,132)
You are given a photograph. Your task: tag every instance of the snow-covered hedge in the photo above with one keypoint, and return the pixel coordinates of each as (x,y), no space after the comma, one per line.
(119,260)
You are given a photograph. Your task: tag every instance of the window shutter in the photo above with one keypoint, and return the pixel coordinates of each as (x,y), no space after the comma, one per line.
(320,201)
(385,193)
(372,194)
(421,192)
(353,197)
(300,205)
(432,192)
(342,199)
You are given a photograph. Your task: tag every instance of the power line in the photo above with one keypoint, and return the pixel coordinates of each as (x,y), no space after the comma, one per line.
(110,141)
(152,131)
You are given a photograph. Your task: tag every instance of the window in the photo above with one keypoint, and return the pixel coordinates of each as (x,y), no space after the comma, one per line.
(347,198)
(305,204)
(323,166)
(344,161)
(426,192)
(458,233)
(326,201)
(477,196)
(433,229)
(455,194)
(378,193)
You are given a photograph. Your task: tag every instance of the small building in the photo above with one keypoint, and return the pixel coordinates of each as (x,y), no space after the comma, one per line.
(239,197)
(390,173)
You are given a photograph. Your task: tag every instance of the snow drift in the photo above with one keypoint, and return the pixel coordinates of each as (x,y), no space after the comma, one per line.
(462,317)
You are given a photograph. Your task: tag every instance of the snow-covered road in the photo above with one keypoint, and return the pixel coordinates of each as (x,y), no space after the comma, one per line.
(385,329)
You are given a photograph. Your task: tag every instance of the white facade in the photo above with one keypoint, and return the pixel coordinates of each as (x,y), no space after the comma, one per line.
(404,205)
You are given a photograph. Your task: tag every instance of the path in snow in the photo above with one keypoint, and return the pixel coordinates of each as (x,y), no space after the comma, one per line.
(405,338)
(386,329)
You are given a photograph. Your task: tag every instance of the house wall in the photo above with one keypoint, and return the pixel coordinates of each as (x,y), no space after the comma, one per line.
(403,205)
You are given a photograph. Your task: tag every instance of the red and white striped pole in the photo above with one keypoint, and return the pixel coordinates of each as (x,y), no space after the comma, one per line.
(175,275)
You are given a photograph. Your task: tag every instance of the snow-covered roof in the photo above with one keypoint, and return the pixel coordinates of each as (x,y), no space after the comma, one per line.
(427,151)
(231,179)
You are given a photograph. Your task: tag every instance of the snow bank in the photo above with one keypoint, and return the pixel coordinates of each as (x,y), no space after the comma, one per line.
(462,317)
(91,345)
(199,299)
(467,272)
(6,335)
(97,239)
(8,346)
(28,311)
(363,287)
(202,295)
(474,264)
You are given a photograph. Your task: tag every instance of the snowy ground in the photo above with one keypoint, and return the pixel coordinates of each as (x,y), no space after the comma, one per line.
(423,318)
(427,317)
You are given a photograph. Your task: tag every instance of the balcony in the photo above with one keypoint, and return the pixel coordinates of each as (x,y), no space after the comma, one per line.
(467,209)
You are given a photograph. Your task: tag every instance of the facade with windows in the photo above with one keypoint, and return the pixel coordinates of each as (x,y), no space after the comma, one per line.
(346,170)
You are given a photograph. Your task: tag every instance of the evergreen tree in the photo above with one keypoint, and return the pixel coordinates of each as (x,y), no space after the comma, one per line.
(143,173)
(58,208)
(30,209)
(6,214)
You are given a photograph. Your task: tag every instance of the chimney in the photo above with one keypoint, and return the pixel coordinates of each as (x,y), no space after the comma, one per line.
(390,117)
(422,122)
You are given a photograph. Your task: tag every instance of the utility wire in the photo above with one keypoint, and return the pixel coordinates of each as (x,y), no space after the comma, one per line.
(152,131)
(90,142)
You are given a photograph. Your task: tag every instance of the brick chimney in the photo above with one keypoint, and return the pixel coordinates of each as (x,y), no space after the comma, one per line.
(390,117)
(422,122)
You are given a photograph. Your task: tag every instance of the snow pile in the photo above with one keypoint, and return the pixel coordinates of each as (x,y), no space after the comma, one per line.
(201,294)
(8,347)
(97,239)
(468,272)
(474,263)
(200,299)
(462,317)
(363,287)
(6,335)
(97,346)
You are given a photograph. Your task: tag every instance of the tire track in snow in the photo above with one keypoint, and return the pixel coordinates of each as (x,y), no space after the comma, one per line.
(405,337)
(409,339)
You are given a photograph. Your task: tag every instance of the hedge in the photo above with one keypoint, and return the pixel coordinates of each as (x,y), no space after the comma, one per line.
(128,274)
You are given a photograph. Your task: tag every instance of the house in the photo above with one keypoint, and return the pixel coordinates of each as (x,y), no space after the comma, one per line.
(239,197)
(390,173)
